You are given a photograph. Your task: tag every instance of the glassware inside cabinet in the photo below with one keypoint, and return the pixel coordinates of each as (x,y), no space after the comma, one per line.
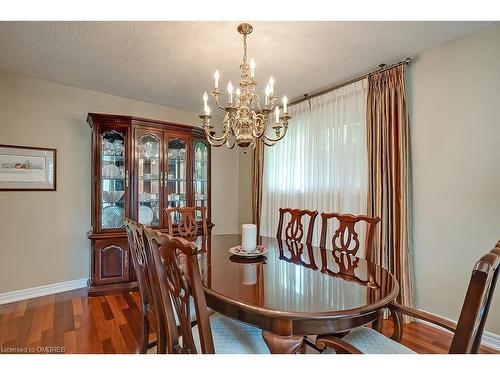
(176,175)
(200,178)
(113,180)
(149,180)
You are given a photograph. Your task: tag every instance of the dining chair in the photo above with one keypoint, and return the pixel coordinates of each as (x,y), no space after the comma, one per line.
(345,239)
(467,332)
(178,273)
(142,262)
(187,225)
(294,230)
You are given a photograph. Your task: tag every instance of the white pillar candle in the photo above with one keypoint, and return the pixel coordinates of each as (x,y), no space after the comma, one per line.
(249,237)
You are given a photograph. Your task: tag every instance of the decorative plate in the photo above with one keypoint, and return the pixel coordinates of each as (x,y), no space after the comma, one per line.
(238,250)
(112,196)
(111,170)
(146,215)
(112,217)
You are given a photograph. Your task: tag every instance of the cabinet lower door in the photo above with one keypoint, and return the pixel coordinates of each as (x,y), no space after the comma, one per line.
(111,261)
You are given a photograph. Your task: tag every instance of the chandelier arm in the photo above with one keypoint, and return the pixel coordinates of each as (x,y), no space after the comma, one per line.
(218,105)
(278,138)
(216,139)
(212,141)
(267,143)
(225,132)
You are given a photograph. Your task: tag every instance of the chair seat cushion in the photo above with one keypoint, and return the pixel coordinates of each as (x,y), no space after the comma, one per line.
(192,312)
(369,341)
(233,337)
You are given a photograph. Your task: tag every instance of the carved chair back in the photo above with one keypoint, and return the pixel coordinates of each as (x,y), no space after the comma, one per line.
(142,261)
(179,284)
(188,226)
(470,326)
(136,243)
(346,237)
(294,230)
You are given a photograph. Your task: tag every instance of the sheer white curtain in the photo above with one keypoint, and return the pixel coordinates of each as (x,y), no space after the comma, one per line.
(321,163)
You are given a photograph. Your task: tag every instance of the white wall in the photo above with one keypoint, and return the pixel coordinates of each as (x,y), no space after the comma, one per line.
(455,130)
(43,234)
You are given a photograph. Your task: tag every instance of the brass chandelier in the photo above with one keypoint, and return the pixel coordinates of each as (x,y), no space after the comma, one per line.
(245,120)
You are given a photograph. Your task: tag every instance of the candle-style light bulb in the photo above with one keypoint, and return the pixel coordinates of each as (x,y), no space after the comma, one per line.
(205,98)
(207,110)
(268,91)
(271,84)
(216,77)
(252,69)
(230,92)
(285,102)
(277,112)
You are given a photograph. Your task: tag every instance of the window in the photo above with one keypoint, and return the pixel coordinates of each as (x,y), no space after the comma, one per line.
(321,163)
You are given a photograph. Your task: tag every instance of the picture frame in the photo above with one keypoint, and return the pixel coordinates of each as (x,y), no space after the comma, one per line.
(24,168)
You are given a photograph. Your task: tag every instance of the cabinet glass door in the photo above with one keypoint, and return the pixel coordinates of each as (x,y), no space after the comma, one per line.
(200,176)
(149,179)
(176,175)
(113,180)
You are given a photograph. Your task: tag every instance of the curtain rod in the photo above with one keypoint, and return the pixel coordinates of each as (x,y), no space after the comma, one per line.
(382,68)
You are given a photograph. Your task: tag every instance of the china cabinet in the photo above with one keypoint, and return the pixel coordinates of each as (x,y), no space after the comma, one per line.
(139,168)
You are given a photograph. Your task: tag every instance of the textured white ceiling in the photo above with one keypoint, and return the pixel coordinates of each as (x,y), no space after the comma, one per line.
(172,63)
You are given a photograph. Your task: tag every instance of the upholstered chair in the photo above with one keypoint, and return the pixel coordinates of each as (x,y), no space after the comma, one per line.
(467,332)
(180,284)
(142,262)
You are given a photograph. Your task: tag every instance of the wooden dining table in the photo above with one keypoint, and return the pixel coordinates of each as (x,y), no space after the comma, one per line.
(294,290)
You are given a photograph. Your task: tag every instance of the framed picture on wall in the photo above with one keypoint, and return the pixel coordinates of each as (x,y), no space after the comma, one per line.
(27,168)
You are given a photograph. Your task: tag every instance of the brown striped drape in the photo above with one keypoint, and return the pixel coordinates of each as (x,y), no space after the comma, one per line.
(257,168)
(389,175)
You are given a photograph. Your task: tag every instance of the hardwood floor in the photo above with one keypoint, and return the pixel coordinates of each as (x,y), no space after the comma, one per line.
(72,323)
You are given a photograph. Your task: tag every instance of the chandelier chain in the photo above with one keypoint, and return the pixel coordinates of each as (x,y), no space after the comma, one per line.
(244,49)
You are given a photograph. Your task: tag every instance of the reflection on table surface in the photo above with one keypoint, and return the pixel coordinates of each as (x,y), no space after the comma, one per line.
(292,277)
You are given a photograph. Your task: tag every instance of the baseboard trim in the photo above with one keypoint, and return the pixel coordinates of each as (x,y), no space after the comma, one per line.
(491,340)
(44,290)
